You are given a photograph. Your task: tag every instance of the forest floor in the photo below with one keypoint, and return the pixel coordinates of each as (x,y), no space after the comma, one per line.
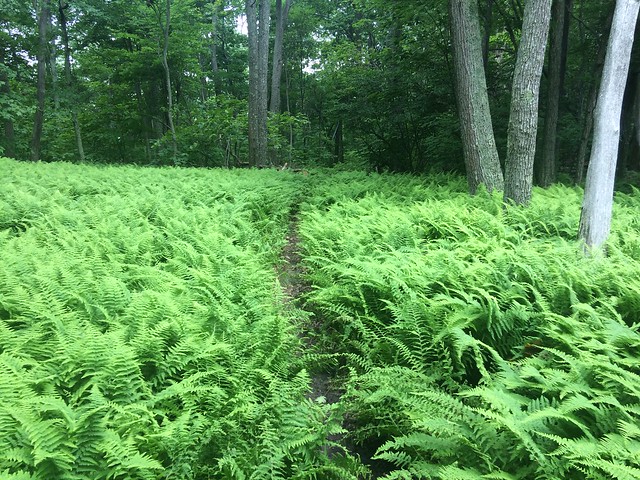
(291,277)
(324,384)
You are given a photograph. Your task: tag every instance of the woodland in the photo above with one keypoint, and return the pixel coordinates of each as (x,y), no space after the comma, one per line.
(319,239)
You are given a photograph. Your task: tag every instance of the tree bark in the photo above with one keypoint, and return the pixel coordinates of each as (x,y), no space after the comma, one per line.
(523,116)
(214,49)
(587,124)
(480,153)
(43,22)
(281,21)
(597,205)
(258,19)
(164,28)
(548,166)
(62,5)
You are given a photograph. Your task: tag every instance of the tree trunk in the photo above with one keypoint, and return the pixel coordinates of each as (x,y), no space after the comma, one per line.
(146,122)
(548,166)
(480,153)
(258,19)
(587,124)
(339,143)
(43,22)
(164,28)
(62,5)
(281,21)
(214,49)
(52,61)
(523,117)
(597,205)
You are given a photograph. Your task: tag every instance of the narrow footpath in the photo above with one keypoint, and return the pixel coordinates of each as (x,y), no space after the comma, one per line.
(291,276)
(294,285)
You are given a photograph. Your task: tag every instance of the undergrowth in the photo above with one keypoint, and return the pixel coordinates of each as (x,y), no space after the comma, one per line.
(477,341)
(142,332)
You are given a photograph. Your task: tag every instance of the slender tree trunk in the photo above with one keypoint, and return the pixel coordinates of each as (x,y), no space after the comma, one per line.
(523,117)
(339,143)
(43,22)
(214,49)
(204,94)
(480,153)
(9,134)
(53,68)
(548,166)
(147,124)
(597,205)
(62,5)
(164,28)
(258,19)
(281,20)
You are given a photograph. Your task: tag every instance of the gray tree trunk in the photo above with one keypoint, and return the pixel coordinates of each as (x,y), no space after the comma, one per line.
(548,167)
(258,20)
(480,153)
(587,124)
(597,205)
(281,21)
(523,117)
(62,5)
(36,138)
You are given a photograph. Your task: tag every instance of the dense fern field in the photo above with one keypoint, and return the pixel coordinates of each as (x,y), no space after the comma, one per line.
(474,341)
(142,330)
(144,333)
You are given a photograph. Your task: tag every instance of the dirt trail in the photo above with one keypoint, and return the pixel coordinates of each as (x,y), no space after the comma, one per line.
(294,285)
(291,275)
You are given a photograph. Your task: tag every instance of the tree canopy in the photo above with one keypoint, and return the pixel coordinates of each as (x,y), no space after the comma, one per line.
(367,82)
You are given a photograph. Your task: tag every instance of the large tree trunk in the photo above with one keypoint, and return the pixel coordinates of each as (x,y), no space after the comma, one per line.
(62,5)
(43,22)
(548,166)
(258,19)
(480,153)
(281,20)
(587,123)
(523,117)
(597,205)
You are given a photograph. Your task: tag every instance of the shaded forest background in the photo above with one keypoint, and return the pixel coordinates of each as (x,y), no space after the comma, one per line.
(365,82)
